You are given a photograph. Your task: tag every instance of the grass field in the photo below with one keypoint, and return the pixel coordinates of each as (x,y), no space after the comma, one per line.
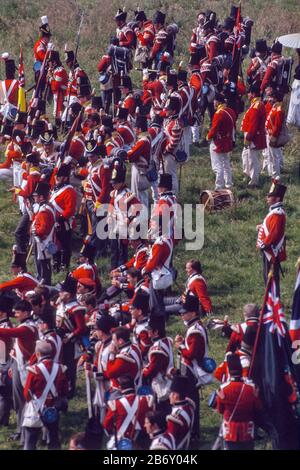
(232,266)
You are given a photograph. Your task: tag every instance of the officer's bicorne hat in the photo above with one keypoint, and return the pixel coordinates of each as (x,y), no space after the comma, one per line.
(42,189)
(140,15)
(261,46)
(68,285)
(122,113)
(277,189)
(97,102)
(172,78)
(141,302)
(33,158)
(47,137)
(106,323)
(191,304)
(21,118)
(234,364)
(165,181)
(141,122)
(118,172)
(88,251)
(180,384)
(159,17)
(121,15)
(44,28)
(6,304)
(64,170)
(277,47)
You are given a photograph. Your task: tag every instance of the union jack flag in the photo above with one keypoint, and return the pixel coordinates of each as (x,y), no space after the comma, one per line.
(274,316)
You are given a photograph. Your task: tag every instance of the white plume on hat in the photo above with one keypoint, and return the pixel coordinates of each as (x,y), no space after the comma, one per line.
(5,55)
(44,20)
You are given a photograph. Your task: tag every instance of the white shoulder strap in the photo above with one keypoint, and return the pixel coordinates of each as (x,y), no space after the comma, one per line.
(50,378)
(131,411)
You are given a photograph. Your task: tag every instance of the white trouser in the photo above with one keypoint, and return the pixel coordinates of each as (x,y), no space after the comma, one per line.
(186,140)
(293,116)
(195,133)
(170,166)
(73,99)
(220,163)
(140,185)
(275,160)
(6,174)
(251,165)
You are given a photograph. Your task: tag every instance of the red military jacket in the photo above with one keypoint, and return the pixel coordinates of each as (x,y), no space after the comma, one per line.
(160,42)
(274,121)
(173,131)
(130,104)
(97,186)
(5,343)
(22,283)
(64,201)
(161,252)
(222,372)
(128,361)
(253,124)
(157,88)
(126,132)
(147,35)
(138,260)
(36,382)
(12,154)
(140,153)
(239,404)
(129,403)
(43,221)
(223,129)
(238,332)
(180,422)
(212,46)
(26,335)
(195,345)
(196,284)
(125,36)
(72,318)
(271,234)
(39,50)
(32,180)
(59,81)
(74,80)
(10,89)
(160,358)
(189,100)
(141,336)
(196,80)
(270,75)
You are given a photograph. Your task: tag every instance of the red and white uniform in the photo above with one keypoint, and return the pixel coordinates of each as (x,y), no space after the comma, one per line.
(22,283)
(127,414)
(128,361)
(212,46)
(63,200)
(197,38)
(196,284)
(160,255)
(77,146)
(97,186)
(140,153)
(39,50)
(257,69)
(124,205)
(238,332)
(32,180)
(160,42)
(130,104)
(13,153)
(43,229)
(222,130)
(173,129)
(195,346)
(56,344)
(188,95)
(158,89)
(253,124)
(271,72)
(180,423)
(115,141)
(160,358)
(85,270)
(146,36)
(9,89)
(70,317)
(125,130)
(138,260)
(274,121)
(74,80)
(196,80)
(25,336)
(100,371)
(58,84)
(162,441)
(239,403)
(271,235)
(125,36)
(5,343)
(222,371)
(38,376)
(141,336)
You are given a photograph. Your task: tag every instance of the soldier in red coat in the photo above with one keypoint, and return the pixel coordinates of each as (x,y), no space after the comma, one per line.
(42,231)
(270,76)
(125,359)
(240,406)
(253,126)
(139,310)
(86,265)
(46,382)
(23,281)
(139,156)
(8,89)
(236,331)
(25,335)
(258,65)
(271,233)
(161,37)
(124,32)
(40,47)
(180,420)
(125,416)
(145,34)
(58,81)
(63,199)
(274,122)
(222,132)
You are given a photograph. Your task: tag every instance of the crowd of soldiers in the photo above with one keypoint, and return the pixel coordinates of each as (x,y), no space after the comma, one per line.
(142,386)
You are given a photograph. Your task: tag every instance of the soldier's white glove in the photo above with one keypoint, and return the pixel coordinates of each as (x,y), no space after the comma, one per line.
(145,74)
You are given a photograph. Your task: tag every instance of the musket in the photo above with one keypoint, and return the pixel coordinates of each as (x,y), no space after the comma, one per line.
(73,64)
(139,69)
(69,138)
(218,443)
(39,82)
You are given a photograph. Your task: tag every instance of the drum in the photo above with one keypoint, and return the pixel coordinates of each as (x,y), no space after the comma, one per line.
(217,200)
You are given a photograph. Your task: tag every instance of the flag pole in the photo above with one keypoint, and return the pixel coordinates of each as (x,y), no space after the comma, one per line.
(270,277)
